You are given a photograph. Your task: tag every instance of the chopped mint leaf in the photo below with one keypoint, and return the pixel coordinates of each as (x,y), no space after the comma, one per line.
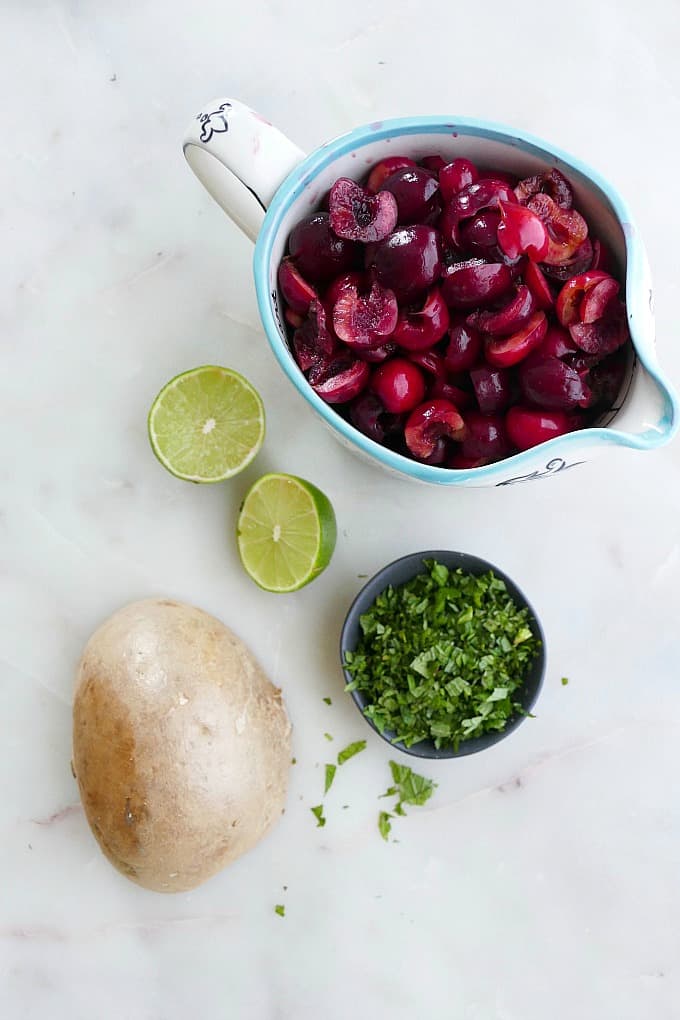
(330,776)
(565,681)
(349,751)
(280,909)
(384,824)
(327,701)
(318,814)
(328,736)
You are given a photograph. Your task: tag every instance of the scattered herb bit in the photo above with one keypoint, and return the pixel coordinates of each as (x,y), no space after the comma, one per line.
(285,888)
(345,806)
(327,701)
(293,761)
(409,788)
(318,814)
(442,657)
(565,681)
(328,736)
(280,909)
(330,776)
(349,751)
(360,576)
(384,824)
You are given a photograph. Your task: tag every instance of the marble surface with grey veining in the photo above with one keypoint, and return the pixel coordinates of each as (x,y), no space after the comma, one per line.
(541,881)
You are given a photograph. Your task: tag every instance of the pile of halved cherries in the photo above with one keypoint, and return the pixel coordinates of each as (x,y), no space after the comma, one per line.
(453,314)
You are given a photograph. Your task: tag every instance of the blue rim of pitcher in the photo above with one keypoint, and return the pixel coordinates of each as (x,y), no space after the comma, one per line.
(304,174)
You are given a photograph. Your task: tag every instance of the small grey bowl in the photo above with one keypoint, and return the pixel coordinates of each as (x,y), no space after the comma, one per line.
(401,571)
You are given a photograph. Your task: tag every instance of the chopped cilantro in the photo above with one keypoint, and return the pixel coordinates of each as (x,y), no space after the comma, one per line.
(328,736)
(349,751)
(327,701)
(318,814)
(384,824)
(280,909)
(330,776)
(442,657)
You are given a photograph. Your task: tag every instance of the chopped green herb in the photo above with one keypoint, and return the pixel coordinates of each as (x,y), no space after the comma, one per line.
(345,806)
(362,575)
(280,909)
(328,736)
(384,824)
(349,751)
(327,701)
(293,761)
(565,681)
(318,814)
(409,788)
(443,656)
(330,776)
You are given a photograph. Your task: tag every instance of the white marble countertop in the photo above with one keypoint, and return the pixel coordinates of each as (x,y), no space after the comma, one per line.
(542,878)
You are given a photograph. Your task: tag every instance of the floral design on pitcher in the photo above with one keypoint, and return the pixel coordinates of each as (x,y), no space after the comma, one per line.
(553,467)
(214,123)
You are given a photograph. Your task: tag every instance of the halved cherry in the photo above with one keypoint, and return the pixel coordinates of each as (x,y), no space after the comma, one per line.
(376,355)
(422,327)
(444,390)
(509,318)
(460,463)
(428,424)
(521,232)
(604,336)
(313,342)
(509,350)
(472,199)
(364,321)
(556,343)
(553,384)
(539,286)
(551,182)
(602,257)
(580,262)
(527,426)
(293,319)
(344,380)
(430,362)
(357,215)
(382,170)
(568,304)
(485,436)
(455,176)
(493,388)
(297,293)
(480,234)
(464,348)
(475,282)
(566,228)
(341,284)
(433,163)
(595,301)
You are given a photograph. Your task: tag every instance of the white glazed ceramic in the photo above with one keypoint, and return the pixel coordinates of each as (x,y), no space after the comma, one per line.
(265,183)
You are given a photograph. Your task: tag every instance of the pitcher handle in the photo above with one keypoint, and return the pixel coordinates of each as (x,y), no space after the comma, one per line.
(240,158)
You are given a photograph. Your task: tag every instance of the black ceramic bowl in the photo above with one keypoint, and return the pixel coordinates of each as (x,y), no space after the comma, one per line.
(400,572)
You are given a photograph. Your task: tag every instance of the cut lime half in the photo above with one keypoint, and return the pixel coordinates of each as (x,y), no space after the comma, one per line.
(286,532)
(206,424)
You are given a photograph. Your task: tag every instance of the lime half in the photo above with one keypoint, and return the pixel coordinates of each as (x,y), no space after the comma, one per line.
(286,532)
(206,424)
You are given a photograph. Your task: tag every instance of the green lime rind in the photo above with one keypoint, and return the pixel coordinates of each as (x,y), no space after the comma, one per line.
(286,532)
(207,424)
